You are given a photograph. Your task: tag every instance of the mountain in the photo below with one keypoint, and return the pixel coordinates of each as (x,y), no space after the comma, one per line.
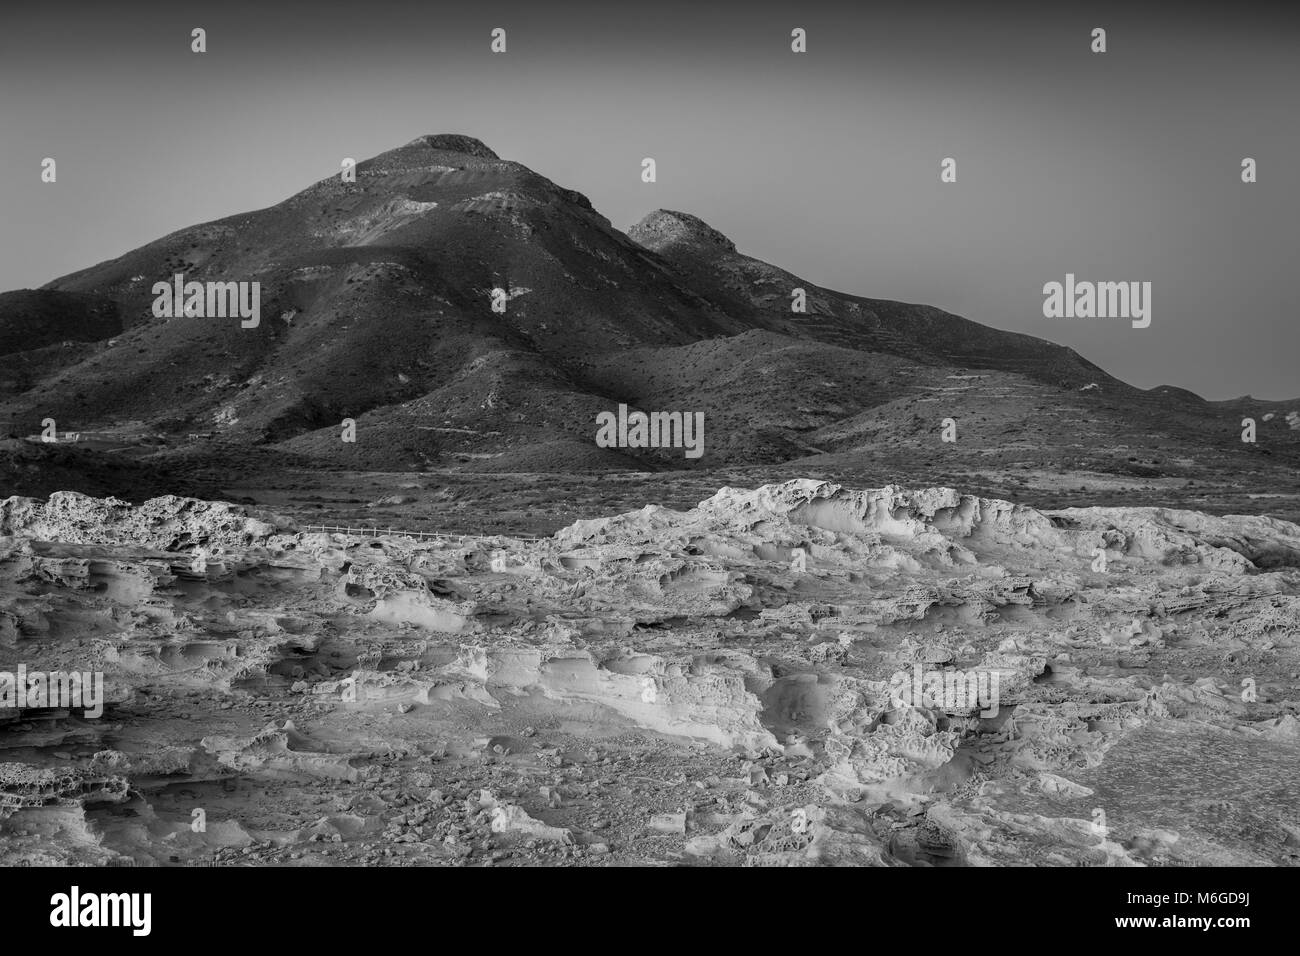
(376,305)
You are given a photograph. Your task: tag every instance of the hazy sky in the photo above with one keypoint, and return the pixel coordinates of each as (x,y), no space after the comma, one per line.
(1119,166)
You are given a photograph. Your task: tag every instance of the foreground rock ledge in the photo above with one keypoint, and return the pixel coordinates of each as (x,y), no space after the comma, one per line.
(710,687)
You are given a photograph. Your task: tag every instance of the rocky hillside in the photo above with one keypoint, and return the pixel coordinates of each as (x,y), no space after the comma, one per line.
(376,305)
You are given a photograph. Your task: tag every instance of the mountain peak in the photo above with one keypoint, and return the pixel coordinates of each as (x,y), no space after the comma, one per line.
(666,227)
(453,143)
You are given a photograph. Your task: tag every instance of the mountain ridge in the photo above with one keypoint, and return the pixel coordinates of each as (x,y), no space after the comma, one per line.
(377,306)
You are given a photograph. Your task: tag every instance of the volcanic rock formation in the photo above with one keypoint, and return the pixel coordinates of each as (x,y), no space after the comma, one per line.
(376,296)
(714,686)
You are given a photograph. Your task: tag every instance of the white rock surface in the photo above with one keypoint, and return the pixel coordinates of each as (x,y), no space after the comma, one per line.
(346,699)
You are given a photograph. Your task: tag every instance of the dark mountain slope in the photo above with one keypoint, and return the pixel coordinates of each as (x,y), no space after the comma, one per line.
(376,307)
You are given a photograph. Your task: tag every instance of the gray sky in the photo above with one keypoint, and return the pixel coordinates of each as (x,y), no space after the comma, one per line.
(1122,166)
